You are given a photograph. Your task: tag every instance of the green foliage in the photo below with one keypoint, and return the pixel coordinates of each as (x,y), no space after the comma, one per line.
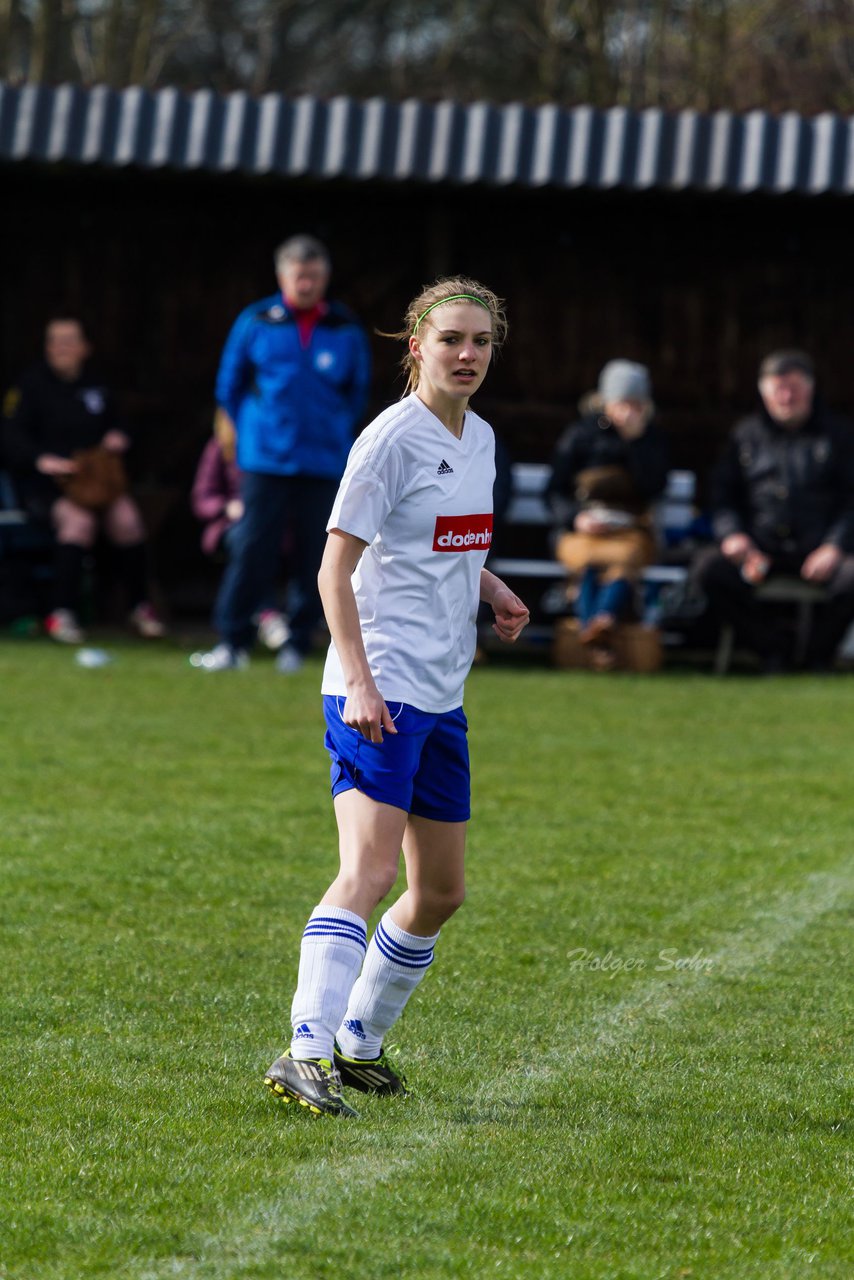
(632,1057)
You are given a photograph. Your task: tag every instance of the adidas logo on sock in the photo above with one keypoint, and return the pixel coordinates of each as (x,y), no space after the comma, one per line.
(444,469)
(355,1028)
(303,1032)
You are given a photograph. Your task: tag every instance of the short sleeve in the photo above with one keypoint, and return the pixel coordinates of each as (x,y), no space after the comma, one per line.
(360,506)
(369,489)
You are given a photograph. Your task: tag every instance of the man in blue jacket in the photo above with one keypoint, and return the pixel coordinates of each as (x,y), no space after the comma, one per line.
(294,379)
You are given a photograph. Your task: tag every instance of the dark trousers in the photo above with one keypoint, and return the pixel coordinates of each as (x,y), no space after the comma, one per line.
(128,564)
(734,601)
(271,505)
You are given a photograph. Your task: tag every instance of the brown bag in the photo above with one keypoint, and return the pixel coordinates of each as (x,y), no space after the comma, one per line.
(99,479)
(626,551)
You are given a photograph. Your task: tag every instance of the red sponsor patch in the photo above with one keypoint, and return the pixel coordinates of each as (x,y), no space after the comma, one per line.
(463,533)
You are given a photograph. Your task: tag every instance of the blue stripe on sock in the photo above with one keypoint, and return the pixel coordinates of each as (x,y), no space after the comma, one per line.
(427,957)
(334,922)
(406,957)
(398,946)
(325,931)
(357,925)
(330,927)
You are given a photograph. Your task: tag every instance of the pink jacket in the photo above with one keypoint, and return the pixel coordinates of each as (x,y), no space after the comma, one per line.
(215,484)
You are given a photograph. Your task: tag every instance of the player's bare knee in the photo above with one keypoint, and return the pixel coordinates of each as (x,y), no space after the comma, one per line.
(440,904)
(454,900)
(373,883)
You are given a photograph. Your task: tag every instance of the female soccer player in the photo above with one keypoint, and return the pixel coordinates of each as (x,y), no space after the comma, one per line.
(401,580)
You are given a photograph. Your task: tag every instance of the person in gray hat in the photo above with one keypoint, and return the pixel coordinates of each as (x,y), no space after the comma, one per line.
(782,499)
(624,382)
(607,469)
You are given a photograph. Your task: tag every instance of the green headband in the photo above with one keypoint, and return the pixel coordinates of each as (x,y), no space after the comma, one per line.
(455,297)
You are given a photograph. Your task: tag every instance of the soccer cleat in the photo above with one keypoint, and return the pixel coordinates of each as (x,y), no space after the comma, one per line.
(62,626)
(312,1082)
(370,1075)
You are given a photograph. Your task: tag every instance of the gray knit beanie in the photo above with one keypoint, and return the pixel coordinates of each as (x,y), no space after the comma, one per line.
(624,380)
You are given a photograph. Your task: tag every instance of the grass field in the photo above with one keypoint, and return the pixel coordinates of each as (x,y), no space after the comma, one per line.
(632,1057)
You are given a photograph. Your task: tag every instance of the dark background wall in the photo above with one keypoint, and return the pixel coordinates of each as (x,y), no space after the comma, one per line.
(698,287)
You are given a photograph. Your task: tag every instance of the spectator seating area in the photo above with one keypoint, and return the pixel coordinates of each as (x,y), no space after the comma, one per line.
(539,578)
(26,567)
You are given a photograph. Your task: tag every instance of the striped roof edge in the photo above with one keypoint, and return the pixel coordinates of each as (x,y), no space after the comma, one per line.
(429,142)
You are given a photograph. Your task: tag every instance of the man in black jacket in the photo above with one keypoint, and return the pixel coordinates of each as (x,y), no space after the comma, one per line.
(783,503)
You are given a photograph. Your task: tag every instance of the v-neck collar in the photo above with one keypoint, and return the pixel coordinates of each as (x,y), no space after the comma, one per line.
(459,441)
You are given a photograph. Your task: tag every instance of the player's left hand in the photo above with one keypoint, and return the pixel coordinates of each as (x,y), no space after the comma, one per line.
(511,615)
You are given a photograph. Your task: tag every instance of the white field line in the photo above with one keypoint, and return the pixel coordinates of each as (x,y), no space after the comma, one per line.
(749,947)
(288,1207)
(333,1189)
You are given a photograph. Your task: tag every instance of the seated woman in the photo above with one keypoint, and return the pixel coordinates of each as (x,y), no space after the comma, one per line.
(65,441)
(607,469)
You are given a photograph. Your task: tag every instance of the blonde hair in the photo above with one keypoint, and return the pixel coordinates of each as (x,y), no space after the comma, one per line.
(225,433)
(419,315)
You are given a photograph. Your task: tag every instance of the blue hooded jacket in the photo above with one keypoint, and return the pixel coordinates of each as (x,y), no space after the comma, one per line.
(295,408)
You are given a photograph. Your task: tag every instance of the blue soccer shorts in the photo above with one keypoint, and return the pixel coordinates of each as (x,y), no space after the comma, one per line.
(422,769)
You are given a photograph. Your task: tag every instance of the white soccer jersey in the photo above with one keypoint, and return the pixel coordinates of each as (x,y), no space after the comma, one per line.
(422,500)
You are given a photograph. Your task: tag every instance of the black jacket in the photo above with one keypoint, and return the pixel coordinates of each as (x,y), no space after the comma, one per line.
(594,442)
(790,489)
(46,414)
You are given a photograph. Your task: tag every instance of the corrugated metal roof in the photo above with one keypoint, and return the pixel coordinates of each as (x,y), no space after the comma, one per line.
(428,142)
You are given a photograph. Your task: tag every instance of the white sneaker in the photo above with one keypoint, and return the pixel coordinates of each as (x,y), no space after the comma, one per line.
(146,622)
(223,658)
(273,629)
(289,662)
(62,626)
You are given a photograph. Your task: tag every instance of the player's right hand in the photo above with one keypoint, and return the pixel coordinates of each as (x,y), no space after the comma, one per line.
(367,713)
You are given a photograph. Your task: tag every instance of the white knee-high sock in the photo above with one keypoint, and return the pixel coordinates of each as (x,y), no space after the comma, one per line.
(395,963)
(332,951)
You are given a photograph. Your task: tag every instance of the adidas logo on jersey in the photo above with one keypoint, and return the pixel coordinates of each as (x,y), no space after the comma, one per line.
(444,469)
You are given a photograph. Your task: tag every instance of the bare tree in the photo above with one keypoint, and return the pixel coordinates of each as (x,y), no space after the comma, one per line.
(45,61)
(11,38)
(706,54)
